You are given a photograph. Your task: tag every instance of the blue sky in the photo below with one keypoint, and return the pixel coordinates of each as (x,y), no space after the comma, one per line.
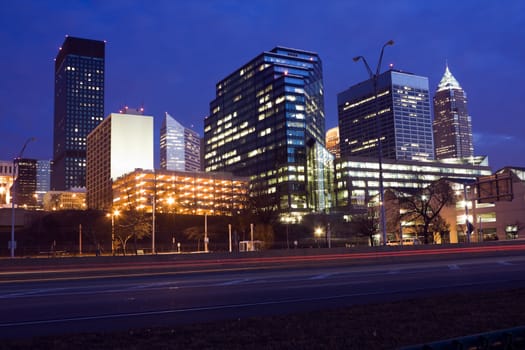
(168,56)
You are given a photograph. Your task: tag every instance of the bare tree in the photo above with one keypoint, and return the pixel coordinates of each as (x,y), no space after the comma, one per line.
(424,205)
(365,225)
(134,224)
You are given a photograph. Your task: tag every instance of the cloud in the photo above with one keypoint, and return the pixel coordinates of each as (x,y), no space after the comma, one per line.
(490,139)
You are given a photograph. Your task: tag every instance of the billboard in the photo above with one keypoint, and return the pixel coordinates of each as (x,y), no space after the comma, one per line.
(493,188)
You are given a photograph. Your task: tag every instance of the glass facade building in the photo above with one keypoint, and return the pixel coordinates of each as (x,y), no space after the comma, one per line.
(260,122)
(452,124)
(357,178)
(180,147)
(405,119)
(320,178)
(79,108)
(43,179)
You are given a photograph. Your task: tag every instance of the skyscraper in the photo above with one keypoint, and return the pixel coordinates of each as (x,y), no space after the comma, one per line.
(452,124)
(24,193)
(263,118)
(43,178)
(119,145)
(179,146)
(79,108)
(405,120)
(332,141)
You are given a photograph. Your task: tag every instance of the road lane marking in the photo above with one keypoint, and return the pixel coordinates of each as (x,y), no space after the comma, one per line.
(321,276)
(233,282)
(235,306)
(453,267)
(505,263)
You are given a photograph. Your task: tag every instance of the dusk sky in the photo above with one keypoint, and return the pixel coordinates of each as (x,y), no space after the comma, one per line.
(168,56)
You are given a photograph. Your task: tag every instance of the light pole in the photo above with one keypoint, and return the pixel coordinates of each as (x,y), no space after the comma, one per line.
(318,233)
(374,78)
(153,209)
(170,202)
(12,243)
(113,214)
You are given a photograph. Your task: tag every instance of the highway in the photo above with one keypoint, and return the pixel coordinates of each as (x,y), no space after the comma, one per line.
(87,297)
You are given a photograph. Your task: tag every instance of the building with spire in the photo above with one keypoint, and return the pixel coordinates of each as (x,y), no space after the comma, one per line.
(452,124)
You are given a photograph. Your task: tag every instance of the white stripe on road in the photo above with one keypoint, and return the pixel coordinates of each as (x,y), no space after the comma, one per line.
(321,276)
(226,307)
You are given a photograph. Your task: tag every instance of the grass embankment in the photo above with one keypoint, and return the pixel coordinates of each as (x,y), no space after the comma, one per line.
(377,326)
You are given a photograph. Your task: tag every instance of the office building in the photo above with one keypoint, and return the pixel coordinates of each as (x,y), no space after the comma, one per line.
(263,117)
(79,108)
(452,124)
(24,189)
(357,178)
(332,141)
(6,183)
(65,200)
(43,179)
(181,192)
(405,120)
(496,218)
(119,145)
(180,147)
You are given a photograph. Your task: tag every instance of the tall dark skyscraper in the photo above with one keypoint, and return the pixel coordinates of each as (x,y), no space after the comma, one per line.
(405,120)
(79,108)
(25,183)
(264,117)
(452,124)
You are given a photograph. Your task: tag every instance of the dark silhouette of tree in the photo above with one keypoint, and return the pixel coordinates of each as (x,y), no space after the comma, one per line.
(423,206)
(134,224)
(365,225)
(261,211)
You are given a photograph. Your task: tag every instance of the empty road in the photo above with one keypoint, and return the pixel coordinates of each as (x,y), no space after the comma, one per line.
(88,297)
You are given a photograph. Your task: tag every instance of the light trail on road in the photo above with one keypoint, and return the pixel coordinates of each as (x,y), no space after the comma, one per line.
(168,298)
(177,261)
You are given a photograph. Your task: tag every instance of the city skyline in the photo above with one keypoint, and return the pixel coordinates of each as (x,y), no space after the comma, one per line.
(168,57)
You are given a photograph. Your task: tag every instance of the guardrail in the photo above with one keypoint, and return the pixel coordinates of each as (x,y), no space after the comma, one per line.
(505,339)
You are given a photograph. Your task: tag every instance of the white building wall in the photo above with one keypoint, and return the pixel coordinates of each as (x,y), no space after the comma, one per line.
(131,143)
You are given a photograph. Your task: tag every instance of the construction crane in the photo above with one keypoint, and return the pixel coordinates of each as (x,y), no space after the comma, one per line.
(12,244)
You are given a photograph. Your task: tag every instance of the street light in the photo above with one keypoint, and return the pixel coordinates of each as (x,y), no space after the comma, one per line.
(374,78)
(113,214)
(12,244)
(318,233)
(170,202)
